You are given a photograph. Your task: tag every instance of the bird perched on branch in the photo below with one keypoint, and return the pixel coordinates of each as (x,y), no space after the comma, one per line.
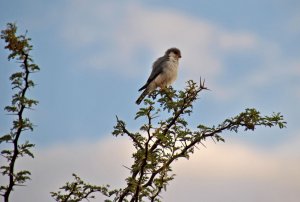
(164,73)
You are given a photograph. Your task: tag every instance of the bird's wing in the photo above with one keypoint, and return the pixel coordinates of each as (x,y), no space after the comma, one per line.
(156,70)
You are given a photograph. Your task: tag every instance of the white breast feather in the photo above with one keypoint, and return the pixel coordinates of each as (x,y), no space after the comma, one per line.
(168,75)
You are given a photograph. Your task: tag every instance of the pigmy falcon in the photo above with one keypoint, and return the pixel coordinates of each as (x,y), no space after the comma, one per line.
(164,73)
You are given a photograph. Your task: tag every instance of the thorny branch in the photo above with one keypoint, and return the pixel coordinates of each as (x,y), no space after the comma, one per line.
(158,149)
(159,146)
(20,48)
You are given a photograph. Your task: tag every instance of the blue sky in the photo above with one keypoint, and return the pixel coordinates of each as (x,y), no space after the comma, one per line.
(94,56)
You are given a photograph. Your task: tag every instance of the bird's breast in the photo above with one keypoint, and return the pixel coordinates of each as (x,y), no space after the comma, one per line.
(168,75)
(171,72)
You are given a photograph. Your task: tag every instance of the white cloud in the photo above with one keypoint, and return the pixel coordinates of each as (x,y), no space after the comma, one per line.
(233,172)
(120,36)
(98,163)
(222,172)
(238,41)
(127,41)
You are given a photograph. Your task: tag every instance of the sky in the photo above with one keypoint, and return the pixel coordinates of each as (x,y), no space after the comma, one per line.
(95,55)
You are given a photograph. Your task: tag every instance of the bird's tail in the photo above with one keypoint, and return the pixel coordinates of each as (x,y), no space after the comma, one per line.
(142,96)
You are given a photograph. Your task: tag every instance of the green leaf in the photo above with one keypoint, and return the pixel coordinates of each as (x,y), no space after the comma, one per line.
(5,138)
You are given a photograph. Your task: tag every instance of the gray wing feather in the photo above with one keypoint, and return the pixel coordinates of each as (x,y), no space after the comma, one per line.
(156,70)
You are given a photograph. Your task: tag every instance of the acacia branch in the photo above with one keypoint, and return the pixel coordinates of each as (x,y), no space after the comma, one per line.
(144,162)
(132,136)
(187,101)
(174,140)
(11,175)
(19,47)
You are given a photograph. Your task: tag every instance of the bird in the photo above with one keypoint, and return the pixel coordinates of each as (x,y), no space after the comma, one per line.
(163,74)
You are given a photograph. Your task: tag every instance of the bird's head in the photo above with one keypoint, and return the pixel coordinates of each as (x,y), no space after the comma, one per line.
(174,51)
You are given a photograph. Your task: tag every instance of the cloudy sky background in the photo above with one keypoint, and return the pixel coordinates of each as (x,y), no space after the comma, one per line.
(94,55)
